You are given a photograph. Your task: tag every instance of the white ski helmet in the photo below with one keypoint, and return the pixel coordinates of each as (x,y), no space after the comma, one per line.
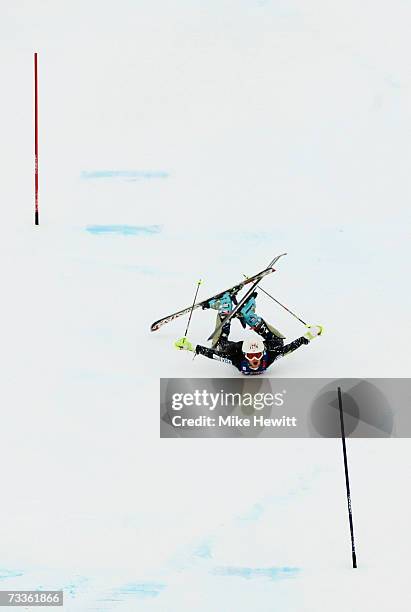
(252,346)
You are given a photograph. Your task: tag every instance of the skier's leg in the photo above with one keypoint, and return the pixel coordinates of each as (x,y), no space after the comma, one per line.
(224,305)
(249,317)
(274,338)
(220,338)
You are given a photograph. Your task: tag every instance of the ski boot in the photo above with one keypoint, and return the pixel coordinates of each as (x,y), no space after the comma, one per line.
(247,314)
(224,304)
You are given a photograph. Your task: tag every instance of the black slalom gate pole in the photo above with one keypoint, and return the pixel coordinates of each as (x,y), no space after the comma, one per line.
(36,145)
(347,480)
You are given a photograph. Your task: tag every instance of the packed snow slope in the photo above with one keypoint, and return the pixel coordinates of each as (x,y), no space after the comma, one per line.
(179,142)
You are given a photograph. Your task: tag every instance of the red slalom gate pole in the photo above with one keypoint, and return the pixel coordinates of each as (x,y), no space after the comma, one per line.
(36,145)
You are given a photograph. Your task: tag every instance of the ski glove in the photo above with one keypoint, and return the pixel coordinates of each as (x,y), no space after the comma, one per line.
(313,331)
(184,344)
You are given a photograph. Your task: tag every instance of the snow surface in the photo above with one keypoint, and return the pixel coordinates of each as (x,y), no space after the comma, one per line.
(180,141)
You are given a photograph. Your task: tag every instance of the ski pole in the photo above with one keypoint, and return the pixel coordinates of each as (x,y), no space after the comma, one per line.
(192,307)
(282,305)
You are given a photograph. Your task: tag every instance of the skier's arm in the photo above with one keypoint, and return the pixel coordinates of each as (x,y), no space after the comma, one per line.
(281,351)
(228,355)
(220,355)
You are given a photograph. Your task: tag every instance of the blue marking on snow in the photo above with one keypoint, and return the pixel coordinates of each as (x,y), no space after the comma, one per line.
(203,551)
(124,230)
(128,175)
(140,590)
(273,573)
(73,587)
(253,514)
(5,573)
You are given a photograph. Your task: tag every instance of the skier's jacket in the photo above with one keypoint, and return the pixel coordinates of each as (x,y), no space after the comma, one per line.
(231,352)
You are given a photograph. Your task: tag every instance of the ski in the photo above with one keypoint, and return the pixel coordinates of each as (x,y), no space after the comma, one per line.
(233,290)
(245,297)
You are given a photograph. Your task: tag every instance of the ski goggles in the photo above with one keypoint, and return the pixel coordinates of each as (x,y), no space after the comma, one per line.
(251,356)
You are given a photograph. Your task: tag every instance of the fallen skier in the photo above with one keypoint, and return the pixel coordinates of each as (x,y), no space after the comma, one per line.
(253,355)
